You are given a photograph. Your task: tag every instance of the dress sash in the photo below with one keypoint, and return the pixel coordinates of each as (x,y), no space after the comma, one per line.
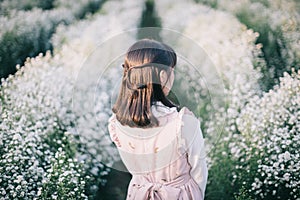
(144,189)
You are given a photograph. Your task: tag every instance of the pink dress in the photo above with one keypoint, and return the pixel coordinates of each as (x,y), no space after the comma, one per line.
(166,162)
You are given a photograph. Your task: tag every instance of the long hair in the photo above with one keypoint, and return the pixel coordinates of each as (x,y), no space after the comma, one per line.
(141,86)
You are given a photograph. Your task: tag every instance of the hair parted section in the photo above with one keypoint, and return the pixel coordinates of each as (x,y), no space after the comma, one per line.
(141,86)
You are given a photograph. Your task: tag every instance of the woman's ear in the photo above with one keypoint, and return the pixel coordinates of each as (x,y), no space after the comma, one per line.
(163,77)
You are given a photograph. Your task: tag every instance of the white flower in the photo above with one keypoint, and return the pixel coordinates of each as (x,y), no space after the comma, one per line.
(19,179)
(287,156)
(286,176)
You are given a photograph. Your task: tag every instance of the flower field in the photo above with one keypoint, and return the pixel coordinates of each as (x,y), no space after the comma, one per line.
(238,70)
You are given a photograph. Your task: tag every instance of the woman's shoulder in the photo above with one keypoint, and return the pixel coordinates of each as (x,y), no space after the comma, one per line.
(186,111)
(186,114)
(188,119)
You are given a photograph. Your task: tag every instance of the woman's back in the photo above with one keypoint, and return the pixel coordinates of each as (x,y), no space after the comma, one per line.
(167,162)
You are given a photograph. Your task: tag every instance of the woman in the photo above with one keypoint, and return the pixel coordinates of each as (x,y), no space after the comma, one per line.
(160,144)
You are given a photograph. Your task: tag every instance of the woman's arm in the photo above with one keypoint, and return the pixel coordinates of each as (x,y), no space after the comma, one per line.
(195,148)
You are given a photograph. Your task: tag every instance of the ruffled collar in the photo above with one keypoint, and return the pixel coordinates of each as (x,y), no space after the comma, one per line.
(160,110)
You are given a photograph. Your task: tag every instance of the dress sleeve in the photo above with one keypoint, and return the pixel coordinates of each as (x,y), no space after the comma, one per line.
(195,148)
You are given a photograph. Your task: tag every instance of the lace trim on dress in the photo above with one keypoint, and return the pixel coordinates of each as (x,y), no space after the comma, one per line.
(180,140)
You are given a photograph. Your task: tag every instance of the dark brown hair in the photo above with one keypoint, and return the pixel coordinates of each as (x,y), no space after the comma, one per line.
(141,86)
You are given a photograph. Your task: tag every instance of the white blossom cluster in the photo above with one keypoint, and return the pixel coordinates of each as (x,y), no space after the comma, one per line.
(280,16)
(279,19)
(7,5)
(23,30)
(36,113)
(78,9)
(35,105)
(269,140)
(63,179)
(23,34)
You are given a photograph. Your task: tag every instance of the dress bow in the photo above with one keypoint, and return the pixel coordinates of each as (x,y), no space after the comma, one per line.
(157,191)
